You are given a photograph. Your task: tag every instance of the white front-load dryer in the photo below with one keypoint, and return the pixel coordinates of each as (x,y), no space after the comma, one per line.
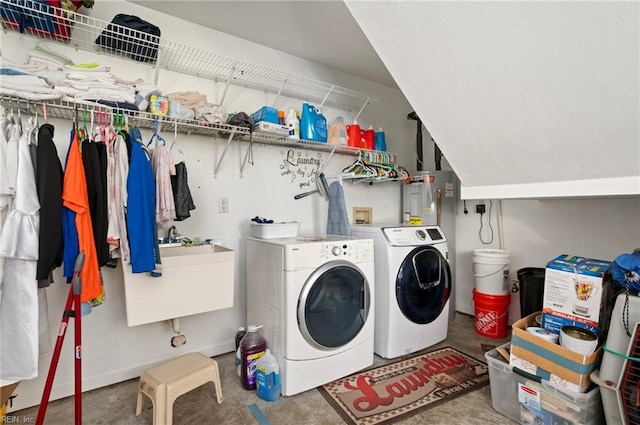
(314,297)
(413,286)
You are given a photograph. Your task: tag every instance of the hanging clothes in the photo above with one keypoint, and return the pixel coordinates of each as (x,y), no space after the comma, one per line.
(141,207)
(181,193)
(94,160)
(6,197)
(75,199)
(12,158)
(49,185)
(163,169)
(19,246)
(117,173)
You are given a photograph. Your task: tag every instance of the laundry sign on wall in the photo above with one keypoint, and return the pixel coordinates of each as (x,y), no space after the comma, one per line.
(300,166)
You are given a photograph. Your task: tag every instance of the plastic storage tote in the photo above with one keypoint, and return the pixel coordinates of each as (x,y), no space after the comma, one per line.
(530,400)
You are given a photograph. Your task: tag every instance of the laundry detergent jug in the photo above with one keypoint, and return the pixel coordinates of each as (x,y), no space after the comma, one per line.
(354,137)
(313,125)
(252,347)
(368,136)
(268,377)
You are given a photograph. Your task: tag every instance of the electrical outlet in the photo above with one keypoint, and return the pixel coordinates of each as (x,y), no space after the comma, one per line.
(223,205)
(480,209)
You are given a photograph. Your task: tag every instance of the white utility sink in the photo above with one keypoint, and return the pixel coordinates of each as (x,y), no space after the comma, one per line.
(195,279)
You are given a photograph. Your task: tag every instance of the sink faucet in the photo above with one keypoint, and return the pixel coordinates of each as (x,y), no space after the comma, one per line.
(171,233)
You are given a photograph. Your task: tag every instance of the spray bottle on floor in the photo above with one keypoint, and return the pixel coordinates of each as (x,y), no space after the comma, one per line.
(252,347)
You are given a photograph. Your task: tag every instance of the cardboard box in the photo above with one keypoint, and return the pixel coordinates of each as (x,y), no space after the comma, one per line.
(554,380)
(555,359)
(575,293)
(6,391)
(269,127)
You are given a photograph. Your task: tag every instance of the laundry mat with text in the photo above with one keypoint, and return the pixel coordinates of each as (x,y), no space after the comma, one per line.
(397,390)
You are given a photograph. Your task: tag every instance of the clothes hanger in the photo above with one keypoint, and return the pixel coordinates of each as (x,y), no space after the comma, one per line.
(32,132)
(175,149)
(156,136)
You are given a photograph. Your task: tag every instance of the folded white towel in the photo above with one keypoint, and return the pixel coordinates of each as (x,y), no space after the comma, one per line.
(30,95)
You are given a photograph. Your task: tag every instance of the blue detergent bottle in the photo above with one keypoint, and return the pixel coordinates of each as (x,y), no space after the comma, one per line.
(268,377)
(380,142)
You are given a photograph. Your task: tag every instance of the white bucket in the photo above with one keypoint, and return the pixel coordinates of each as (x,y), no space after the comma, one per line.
(491,270)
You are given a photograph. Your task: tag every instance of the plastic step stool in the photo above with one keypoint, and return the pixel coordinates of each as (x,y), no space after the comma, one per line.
(164,383)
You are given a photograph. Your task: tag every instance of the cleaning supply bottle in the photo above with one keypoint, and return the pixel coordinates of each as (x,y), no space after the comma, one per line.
(353,135)
(369,138)
(252,347)
(313,125)
(268,377)
(381,144)
(239,335)
(294,125)
(338,132)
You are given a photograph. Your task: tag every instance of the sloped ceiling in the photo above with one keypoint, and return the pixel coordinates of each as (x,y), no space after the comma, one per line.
(525,99)
(322,31)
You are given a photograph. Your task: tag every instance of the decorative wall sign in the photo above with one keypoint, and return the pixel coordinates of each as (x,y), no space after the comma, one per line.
(301,167)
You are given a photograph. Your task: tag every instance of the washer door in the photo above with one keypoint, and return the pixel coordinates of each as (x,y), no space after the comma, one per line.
(333,305)
(423,284)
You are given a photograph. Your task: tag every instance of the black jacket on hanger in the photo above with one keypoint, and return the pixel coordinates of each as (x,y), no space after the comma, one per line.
(49,178)
(94,159)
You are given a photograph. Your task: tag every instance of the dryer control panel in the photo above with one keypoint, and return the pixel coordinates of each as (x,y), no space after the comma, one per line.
(413,235)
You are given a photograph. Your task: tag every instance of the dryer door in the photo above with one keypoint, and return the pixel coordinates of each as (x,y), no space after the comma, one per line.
(333,305)
(423,284)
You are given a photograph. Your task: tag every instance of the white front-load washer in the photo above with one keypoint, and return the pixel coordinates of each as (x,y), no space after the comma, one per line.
(413,286)
(314,297)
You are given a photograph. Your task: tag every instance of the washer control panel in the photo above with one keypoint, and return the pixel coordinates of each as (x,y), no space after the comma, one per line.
(413,235)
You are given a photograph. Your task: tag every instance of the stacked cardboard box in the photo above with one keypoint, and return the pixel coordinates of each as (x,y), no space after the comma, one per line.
(576,293)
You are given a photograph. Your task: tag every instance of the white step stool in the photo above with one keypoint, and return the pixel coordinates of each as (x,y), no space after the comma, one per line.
(164,383)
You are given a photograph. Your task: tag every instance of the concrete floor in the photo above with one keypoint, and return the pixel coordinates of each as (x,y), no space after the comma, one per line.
(116,404)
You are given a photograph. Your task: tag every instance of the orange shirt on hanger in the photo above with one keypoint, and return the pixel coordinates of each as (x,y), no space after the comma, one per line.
(74,197)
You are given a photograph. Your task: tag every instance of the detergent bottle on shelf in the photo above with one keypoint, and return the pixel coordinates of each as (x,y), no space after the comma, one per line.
(293,123)
(369,138)
(313,125)
(268,377)
(381,143)
(252,347)
(338,132)
(353,135)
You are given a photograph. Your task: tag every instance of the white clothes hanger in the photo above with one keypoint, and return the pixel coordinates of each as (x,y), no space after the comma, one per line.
(176,151)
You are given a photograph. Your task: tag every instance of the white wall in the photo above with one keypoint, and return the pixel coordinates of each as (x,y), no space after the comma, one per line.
(528,99)
(534,231)
(113,352)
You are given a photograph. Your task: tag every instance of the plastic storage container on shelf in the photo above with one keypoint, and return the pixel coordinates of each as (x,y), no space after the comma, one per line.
(530,400)
(275,230)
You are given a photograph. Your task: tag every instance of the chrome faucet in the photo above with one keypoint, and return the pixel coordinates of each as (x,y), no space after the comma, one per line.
(171,233)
